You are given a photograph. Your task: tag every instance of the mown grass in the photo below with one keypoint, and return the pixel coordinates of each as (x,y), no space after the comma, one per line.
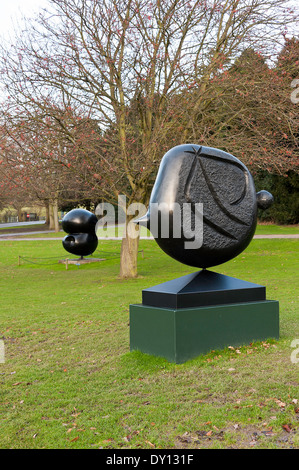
(69,380)
(272,229)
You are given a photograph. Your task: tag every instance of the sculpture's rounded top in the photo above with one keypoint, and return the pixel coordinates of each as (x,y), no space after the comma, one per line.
(219,193)
(79,221)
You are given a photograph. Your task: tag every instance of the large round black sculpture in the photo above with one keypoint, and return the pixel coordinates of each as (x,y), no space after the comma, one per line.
(80,226)
(204,310)
(196,174)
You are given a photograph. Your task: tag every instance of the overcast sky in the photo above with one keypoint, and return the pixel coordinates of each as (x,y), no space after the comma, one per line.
(11,11)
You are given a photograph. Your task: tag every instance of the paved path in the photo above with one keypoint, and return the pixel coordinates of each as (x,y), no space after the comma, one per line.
(14,237)
(18,224)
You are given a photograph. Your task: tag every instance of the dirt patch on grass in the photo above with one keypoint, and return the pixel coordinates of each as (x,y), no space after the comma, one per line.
(239,437)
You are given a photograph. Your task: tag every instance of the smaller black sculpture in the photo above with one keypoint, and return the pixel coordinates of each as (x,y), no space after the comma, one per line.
(80,226)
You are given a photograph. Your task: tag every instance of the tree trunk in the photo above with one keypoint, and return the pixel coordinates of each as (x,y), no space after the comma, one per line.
(20,214)
(51,217)
(47,221)
(55,216)
(129,250)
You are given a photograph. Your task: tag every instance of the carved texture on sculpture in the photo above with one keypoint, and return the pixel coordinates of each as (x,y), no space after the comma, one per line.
(195,174)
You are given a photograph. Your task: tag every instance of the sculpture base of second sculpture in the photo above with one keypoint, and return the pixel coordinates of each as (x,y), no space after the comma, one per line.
(81,260)
(200,312)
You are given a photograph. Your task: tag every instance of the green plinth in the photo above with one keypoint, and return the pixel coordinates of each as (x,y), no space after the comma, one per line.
(182,334)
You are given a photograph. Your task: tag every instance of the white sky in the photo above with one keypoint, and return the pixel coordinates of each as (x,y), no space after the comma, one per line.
(11,12)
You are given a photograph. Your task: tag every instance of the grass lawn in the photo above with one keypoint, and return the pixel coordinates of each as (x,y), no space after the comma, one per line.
(69,380)
(272,229)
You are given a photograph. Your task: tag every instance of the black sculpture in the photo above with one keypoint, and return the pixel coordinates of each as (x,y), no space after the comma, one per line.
(80,225)
(204,310)
(218,180)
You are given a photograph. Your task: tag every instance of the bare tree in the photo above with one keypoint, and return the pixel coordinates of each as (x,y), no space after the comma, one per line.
(127,64)
(31,167)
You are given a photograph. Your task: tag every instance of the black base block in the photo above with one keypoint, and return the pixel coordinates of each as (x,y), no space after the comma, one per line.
(200,289)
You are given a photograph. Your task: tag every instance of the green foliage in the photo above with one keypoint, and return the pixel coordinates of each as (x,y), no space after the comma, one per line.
(285,190)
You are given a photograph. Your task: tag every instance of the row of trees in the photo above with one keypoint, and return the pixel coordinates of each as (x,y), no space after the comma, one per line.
(98,91)
(39,165)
